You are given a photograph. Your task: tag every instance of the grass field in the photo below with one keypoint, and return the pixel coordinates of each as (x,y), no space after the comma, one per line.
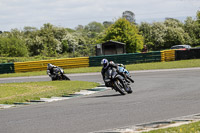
(132,67)
(23,92)
(188,128)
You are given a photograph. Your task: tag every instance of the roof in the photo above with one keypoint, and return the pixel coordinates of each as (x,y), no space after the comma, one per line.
(114,42)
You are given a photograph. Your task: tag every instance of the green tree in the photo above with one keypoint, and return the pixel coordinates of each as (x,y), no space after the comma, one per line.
(192,28)
(163,35)
(176,36)
(35,45)
(175,33)
(13,47)
(50,43)
(94,27)
(198,27)
(33,41)
(106,24)
(130,16)
(174,23)
(92,30)
(146,31)
(158,35)
(69,43)
(198,16)
(123,31)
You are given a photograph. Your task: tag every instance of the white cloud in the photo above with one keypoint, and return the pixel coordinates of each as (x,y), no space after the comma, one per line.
(70,13)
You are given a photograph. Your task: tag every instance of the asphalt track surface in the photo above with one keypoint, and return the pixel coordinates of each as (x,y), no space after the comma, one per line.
(157,95)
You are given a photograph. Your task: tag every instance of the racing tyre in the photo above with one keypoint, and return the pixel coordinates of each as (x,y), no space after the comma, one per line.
(119,86)
(65,77)
(130,90)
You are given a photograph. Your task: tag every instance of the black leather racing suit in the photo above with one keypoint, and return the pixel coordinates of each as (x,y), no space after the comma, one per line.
(50,72)
(111,65)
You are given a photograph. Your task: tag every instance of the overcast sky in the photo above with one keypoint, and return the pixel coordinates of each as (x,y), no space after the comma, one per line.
(71,13)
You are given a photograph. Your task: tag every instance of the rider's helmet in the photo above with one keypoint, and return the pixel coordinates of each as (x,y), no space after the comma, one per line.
(105,63)
(50,66)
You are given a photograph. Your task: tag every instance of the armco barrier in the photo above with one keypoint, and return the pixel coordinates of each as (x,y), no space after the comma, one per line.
(6,68)
(167,55)
(42,65)
(130,58)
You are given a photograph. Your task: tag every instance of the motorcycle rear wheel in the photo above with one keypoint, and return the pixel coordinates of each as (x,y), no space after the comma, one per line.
(65,77)
(119,87)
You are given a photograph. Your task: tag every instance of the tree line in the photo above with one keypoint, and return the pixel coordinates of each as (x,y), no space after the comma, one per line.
(52,41)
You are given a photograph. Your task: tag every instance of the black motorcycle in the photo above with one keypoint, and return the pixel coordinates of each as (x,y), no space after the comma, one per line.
(116,81)
(58,74)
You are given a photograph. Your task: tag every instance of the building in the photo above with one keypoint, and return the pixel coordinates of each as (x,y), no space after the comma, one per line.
(110,47)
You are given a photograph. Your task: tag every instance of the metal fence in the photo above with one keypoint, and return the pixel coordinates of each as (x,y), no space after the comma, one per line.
(130,58)
(193,53)
(6,68)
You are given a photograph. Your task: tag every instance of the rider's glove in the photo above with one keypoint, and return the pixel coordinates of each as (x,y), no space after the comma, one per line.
(118,71)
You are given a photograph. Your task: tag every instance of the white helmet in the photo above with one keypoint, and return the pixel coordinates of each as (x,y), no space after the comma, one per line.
(104,62)
(50,66)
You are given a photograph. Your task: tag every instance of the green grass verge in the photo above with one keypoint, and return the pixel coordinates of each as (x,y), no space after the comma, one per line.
(188,128)
(22,92)
(24,59)
(166,65)
(132,67)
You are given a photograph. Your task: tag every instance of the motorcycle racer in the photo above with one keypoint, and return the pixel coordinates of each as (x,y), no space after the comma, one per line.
(110,65)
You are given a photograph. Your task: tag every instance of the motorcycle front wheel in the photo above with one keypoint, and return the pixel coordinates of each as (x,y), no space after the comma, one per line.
(130,90)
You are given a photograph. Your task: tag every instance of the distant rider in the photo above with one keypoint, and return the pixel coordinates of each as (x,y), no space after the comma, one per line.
(50,69)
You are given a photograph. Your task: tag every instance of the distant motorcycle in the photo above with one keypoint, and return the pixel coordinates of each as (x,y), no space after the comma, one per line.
(116,81)
(58,74)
